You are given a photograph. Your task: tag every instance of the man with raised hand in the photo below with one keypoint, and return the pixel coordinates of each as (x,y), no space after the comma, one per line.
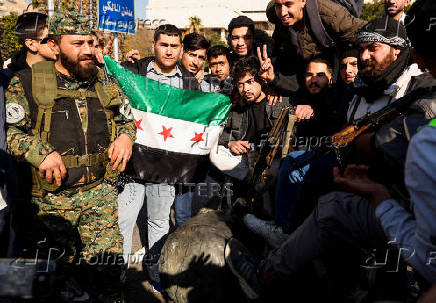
(365,217)
(305,29)
(194,56)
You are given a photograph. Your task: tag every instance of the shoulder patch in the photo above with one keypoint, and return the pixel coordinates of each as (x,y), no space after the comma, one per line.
(14,113)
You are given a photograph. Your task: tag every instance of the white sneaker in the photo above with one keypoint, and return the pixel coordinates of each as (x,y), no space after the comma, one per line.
(270,232)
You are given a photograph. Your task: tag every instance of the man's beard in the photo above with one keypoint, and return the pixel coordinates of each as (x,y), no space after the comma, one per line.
(372,69)
(254,97)
(81,73)
(314,89)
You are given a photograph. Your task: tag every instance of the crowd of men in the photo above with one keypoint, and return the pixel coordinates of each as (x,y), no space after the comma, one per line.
(72,175)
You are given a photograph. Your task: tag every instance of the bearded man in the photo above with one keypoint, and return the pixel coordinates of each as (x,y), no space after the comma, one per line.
(387,75)
(386,71)
(341,223)
(63,120)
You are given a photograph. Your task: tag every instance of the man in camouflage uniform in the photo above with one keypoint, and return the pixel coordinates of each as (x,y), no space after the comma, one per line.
(75,140)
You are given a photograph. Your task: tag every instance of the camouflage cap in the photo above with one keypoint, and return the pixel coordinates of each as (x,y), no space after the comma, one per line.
(68,23)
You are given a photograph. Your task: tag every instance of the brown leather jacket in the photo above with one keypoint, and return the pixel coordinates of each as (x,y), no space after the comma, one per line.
(327,26)
(338,24)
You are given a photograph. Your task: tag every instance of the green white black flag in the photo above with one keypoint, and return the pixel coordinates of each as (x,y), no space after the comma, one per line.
(177,129)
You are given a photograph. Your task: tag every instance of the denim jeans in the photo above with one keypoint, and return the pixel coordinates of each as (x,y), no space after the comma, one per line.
(312,180)
(159,199)
(183,208)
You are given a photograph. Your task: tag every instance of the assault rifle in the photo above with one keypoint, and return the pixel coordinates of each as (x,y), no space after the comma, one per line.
(368,122)
(268,150)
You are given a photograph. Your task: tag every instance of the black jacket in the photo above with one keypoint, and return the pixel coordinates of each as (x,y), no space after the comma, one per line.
(140,67)
(237,124)
(18,61)
(330,109)
(391,140)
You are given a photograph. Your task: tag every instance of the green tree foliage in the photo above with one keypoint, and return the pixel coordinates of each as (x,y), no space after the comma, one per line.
(142,41)
(58,4)
(41,4)
(215,39)
(194,24)
(8,40)
(83,6)
(373,10)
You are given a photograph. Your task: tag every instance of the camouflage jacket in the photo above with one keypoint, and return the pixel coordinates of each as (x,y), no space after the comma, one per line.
(28,148)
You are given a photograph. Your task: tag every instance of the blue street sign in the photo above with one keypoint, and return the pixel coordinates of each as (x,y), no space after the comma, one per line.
(116,16)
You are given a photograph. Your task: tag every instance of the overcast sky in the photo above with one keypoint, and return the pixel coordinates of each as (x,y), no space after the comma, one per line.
(140,8)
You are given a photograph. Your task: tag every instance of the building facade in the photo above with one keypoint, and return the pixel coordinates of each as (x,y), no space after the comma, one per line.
(12,6)
(214,14)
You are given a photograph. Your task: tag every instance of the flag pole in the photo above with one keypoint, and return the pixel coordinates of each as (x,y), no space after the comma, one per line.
(116,46)
(50,7)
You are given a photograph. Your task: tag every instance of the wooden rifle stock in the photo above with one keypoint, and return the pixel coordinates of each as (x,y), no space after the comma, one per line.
(270,147)
(368,122)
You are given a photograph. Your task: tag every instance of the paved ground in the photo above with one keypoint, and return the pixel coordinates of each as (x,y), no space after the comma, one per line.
(137,288)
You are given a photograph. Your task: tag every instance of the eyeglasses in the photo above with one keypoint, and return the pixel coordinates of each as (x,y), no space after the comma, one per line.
(40,40)
(37,39)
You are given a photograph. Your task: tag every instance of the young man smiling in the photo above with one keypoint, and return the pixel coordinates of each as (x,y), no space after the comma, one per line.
(305,29)
(241,37)
(348,66)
